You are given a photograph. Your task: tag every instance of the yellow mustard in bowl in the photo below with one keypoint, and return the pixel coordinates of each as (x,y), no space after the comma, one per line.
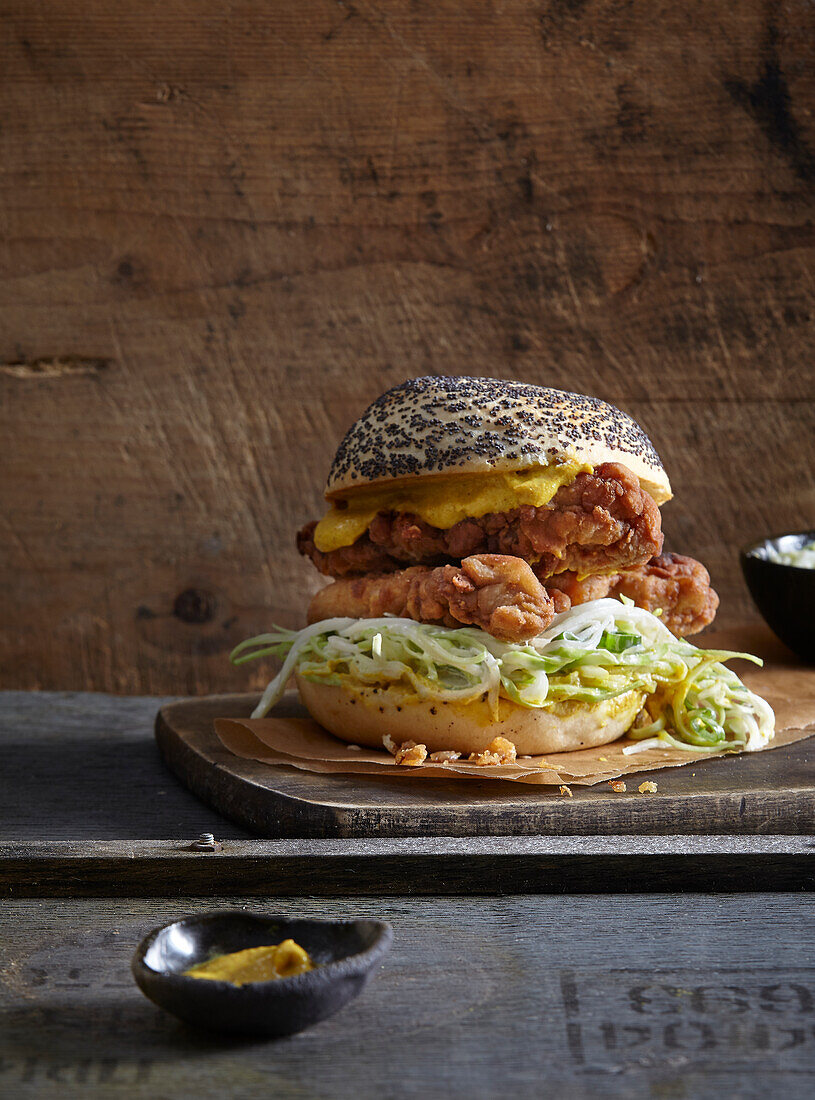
(255,964)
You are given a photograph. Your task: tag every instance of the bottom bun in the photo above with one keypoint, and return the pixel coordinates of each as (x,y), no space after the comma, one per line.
(363,716)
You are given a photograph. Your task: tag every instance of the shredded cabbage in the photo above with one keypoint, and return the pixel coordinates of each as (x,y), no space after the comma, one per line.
(803,557)
(596,651)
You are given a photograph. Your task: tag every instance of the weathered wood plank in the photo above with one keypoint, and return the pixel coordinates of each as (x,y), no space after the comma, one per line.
(226,228)
(84,767)
(771,792)
(420,865)
(79,765)
(624,997)
(112,830)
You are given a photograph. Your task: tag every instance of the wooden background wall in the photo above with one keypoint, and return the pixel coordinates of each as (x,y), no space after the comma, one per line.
(228,226)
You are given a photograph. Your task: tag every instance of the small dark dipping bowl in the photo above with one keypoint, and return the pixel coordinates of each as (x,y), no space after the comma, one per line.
(346,953)
(784,594)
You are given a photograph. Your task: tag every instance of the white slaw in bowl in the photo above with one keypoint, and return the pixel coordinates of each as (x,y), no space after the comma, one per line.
(801,557)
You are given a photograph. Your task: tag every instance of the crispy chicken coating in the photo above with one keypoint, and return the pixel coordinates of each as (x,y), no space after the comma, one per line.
(600,521)
(677,585)
(497,592)
(361,557)
(575,589)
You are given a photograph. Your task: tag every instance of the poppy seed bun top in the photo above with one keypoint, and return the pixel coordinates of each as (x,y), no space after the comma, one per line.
(438,425)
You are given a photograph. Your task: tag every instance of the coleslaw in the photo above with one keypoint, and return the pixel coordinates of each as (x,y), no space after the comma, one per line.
(593,652)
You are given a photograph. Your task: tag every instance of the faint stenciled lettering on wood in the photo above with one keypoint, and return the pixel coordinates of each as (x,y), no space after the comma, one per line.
(45,1071)
(731,1015)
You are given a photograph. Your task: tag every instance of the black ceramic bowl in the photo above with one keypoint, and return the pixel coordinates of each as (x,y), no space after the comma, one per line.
(784,594)
(346,953)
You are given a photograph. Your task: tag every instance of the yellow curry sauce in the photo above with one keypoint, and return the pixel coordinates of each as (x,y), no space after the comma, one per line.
(443,501)
(255,964)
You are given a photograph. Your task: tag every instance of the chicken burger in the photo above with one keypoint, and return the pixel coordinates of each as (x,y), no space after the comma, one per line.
(497,577)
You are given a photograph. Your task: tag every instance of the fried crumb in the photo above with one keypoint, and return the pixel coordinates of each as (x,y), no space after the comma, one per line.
(356,748)
(389,744)
(484,759)
(647,787)
(618,786)
(410,754)
(504,748)
(603,758)
(499,751)
(567,792)
(444,757)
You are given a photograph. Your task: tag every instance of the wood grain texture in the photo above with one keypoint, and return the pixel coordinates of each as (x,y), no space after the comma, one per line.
(416,866)
(226,228)
(80,766)
(83,767)
(88,809)
(572,997)
(750,794)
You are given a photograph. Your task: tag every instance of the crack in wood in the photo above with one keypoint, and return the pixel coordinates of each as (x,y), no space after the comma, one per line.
(58,366)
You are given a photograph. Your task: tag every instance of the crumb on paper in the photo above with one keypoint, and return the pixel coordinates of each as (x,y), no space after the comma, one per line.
(499,751)
(410,754)
(567,792)
(647,787)
(484,759)
(618,786)
(389,744)
(356,748)
(504,748)
(603,758)
(445,756)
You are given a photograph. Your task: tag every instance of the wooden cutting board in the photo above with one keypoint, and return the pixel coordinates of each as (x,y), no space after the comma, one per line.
(759,793)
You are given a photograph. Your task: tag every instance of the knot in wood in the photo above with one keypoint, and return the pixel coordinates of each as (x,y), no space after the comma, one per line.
(195,605)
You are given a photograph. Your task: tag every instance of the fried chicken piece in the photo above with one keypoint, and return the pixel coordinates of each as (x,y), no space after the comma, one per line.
(600,521)
(560,601)
(499,593)
(361,557)
(576,589)
(676,585)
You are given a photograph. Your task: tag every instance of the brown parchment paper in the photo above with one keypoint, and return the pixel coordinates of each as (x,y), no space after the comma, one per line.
(294,738)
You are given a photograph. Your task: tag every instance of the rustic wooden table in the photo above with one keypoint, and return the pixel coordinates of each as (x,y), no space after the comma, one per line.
(533,991)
